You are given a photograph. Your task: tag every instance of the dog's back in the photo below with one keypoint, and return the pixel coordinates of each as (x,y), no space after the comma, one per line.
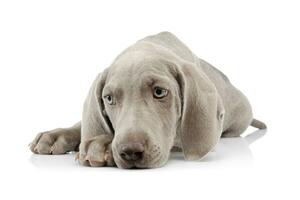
(237,107)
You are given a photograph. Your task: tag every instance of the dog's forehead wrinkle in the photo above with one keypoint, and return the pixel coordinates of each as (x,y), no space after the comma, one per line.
(135,82)
(137,69)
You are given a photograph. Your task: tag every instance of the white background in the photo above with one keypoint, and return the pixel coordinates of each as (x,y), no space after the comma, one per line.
(50,52)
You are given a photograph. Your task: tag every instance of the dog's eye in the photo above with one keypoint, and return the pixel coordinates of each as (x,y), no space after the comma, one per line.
(109,99)
(159,93)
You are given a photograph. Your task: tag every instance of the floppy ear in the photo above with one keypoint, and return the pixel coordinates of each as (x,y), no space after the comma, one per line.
(202,112)
(94,120)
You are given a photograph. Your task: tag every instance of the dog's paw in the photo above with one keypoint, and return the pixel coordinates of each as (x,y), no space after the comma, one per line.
(57,141)
(96,152)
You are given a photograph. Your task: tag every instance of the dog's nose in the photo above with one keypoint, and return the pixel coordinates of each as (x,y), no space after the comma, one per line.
(131,151)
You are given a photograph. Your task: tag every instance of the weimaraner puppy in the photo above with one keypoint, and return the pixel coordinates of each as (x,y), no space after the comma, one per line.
(156,96)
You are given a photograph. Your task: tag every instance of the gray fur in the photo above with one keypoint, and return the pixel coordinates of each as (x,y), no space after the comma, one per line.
(202,105)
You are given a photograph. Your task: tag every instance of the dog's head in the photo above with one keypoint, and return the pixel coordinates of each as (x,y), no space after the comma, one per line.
(146,100)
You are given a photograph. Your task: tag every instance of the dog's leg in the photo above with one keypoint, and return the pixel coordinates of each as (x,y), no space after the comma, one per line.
(241,117)
(239,126)
(232,133)
(96,151)
(57,141)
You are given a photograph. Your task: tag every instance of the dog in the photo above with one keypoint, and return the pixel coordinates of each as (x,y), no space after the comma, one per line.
(157,96)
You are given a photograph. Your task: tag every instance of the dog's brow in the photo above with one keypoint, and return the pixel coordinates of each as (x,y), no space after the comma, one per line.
(153,79)
(110,89)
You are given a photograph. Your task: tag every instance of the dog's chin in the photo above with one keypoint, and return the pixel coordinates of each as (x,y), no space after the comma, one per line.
(154,163)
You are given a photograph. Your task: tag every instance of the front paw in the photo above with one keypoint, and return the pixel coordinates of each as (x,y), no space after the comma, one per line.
(57,141)
(96,152)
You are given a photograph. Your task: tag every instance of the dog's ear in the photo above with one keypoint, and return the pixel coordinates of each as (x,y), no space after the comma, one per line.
(94,119)
(202,112)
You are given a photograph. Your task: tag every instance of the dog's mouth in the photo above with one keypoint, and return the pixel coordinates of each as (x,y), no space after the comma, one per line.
(138,164)
(130,165)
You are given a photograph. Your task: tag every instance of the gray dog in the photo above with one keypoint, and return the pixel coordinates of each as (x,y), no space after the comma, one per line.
(157,96)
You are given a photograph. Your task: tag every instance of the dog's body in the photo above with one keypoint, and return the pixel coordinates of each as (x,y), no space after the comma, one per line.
(156,95)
